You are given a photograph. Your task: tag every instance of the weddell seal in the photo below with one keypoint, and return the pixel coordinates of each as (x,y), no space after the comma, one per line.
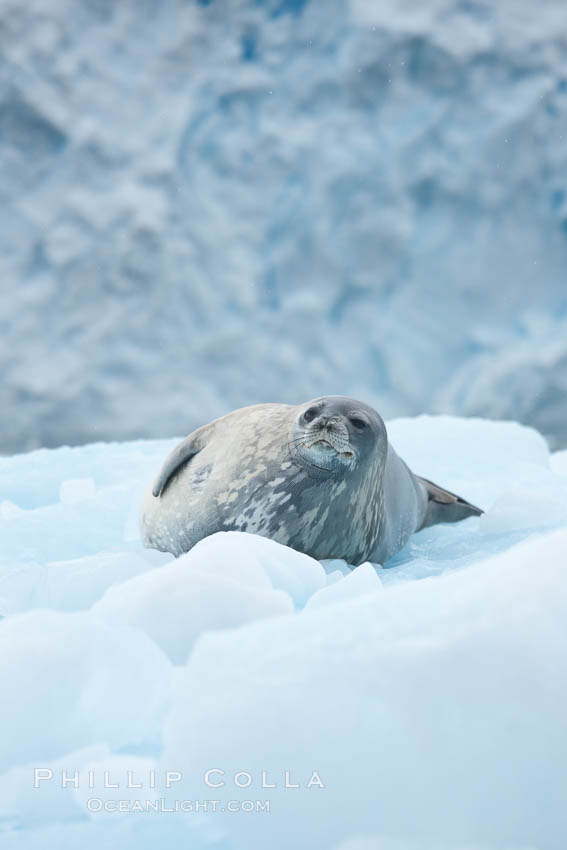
(320,477)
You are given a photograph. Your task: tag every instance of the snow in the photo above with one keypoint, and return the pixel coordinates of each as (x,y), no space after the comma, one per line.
(208,207)
(427,695)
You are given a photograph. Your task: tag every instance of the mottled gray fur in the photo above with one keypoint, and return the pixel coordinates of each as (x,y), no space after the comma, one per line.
(320,477)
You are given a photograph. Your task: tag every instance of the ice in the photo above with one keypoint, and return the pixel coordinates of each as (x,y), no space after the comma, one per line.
(77,490)
(21,806)
(75,681)
(428,694)
(336,567)
(559,463)
(432,711)
(103,773)
(76,584)
(388,843)
(361,581)
(8,510)
(71,585)
(116,833)
(245,557)
(369,202)
(502,467)
(32,482)
(528,509)
(176,603)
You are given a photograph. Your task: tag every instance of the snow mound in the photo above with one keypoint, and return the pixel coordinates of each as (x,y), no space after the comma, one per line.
(417,705)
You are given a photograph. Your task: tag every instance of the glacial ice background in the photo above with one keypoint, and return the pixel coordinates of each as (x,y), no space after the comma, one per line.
(207,206)
(430,696)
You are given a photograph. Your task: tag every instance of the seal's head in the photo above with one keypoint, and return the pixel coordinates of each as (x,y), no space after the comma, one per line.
(335,435)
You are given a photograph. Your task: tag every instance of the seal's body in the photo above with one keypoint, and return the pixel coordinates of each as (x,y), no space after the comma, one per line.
(320,477)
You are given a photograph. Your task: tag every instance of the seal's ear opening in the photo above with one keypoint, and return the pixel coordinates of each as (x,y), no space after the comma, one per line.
(444,506)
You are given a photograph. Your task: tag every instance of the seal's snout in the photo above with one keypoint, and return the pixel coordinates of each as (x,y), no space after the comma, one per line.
(327,432)
(327,424)
(323,423)
(326,436)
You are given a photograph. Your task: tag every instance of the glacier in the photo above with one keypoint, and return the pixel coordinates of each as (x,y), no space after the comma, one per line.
(426,695)
(208,206)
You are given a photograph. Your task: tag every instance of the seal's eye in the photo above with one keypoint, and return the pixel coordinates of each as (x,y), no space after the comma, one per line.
(359,424)
(310,414)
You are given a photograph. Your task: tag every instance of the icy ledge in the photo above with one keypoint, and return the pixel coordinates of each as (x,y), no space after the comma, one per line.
(431,710)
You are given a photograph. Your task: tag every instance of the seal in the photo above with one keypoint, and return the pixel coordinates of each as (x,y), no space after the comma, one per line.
(320,477)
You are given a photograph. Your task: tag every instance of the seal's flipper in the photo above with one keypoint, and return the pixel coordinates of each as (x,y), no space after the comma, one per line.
(444,506)
(181,455)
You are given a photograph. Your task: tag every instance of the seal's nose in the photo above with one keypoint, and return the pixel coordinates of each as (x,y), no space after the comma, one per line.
(322,422)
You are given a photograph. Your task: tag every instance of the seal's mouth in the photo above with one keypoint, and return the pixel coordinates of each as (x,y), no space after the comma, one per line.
(327,445)
(324,451)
